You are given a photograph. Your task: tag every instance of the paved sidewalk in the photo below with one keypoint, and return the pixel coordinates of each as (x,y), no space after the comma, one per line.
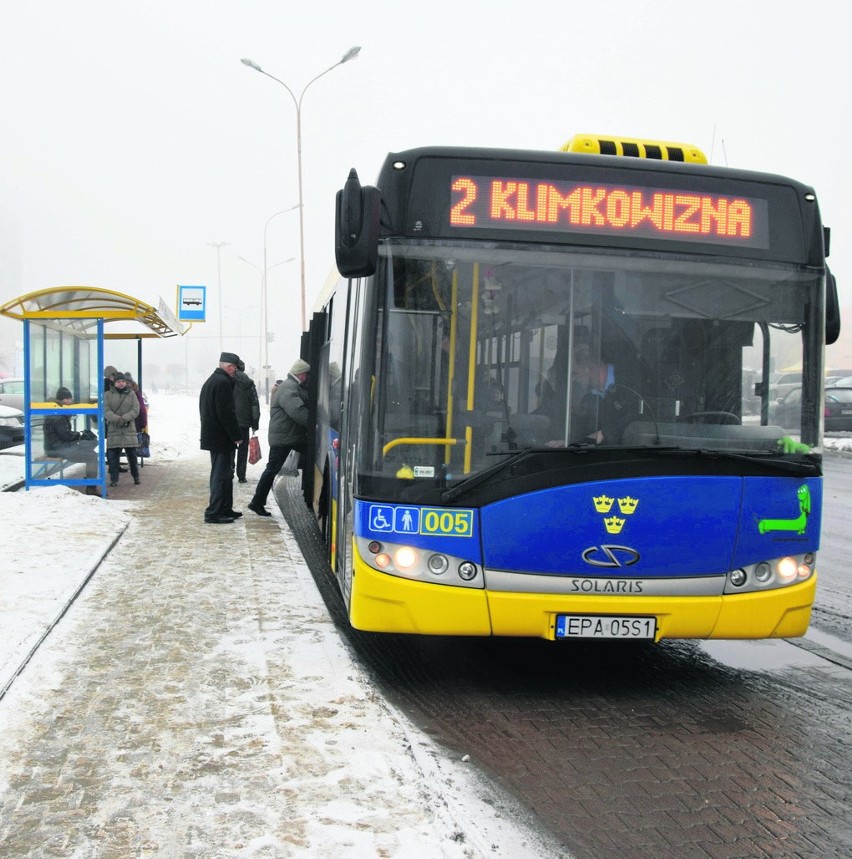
(196,701)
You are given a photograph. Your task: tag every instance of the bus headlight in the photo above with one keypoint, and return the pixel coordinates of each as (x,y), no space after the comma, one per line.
(421,564)
(738,578)
(787,569)
(763,572)
(438,564)
(405,558)
(467,571)
(774,573)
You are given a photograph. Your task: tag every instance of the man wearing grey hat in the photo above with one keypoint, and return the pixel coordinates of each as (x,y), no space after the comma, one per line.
(288,429)
(220,434)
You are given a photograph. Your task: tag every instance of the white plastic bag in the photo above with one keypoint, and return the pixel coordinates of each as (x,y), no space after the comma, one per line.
(291,464)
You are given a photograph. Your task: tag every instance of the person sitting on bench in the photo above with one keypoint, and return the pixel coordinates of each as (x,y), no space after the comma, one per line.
(62,441)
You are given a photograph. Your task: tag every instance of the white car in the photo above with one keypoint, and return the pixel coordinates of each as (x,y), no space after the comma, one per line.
(12,393)
(782,383)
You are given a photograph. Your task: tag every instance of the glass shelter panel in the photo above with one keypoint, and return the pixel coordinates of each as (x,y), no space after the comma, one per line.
(62,434)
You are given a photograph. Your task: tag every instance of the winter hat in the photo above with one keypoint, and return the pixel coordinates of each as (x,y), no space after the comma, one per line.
(64,394)
(119,377)
(300,367)
(241,365)
(109,371)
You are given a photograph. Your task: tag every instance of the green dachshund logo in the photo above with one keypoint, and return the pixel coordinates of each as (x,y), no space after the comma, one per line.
(799,524)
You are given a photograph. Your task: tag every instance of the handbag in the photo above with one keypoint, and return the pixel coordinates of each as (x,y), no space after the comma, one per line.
(291,464)
(144,444)
(254,454)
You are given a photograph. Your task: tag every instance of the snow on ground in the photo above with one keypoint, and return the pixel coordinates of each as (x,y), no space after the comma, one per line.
(51,539)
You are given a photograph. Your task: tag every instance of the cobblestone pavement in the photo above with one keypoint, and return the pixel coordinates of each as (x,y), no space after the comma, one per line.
(196,701)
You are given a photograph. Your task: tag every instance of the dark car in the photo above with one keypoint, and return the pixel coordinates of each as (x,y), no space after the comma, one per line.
(11,426)
(838,410)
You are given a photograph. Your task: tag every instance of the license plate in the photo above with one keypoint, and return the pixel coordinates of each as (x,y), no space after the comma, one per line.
(604,626)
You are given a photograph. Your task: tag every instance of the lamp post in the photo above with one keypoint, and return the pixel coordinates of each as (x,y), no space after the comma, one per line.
(349,55)
(264,320)
(219,246)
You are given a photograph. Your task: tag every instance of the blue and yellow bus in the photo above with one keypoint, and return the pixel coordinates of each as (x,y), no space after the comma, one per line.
(542,395)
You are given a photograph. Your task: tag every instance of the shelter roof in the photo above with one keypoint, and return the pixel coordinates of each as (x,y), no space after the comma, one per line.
(80,307)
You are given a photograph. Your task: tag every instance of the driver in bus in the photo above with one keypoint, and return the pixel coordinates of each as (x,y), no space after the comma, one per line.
(600,410)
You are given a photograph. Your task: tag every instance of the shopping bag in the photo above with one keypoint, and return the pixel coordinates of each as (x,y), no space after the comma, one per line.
(291,464)
(254,455)
(143,444)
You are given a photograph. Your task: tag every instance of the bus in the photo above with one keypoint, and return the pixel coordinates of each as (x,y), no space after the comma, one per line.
(542,395)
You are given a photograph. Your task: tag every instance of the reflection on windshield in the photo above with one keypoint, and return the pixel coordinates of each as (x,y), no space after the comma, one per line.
(484,353)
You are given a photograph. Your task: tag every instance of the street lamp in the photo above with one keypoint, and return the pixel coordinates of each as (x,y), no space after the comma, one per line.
(349,55)
(264,321)
(219,246)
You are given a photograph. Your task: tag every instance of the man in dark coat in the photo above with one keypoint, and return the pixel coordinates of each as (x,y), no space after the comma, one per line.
(220,434)
(61,440)
(248,415)
(288,430)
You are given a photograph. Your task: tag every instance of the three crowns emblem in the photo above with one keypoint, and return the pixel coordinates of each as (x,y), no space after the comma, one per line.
(626,506)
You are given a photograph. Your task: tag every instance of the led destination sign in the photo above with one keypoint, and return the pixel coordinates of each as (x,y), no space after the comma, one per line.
(490,202)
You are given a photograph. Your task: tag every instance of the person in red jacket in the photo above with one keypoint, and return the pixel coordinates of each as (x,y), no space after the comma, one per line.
(220,434)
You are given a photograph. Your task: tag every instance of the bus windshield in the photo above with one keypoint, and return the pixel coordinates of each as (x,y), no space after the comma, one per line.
(484,351)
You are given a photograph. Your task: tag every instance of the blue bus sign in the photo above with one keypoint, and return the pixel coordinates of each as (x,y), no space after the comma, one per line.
(192,303)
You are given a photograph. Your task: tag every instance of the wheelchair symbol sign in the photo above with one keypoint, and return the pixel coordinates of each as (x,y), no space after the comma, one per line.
(381,517)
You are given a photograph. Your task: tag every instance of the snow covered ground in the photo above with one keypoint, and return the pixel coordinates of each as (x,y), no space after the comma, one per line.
(342,772)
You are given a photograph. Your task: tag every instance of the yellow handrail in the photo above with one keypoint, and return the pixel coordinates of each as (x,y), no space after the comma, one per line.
(412,440)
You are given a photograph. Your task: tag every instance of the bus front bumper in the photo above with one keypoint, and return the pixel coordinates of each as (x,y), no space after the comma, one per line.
(385,603)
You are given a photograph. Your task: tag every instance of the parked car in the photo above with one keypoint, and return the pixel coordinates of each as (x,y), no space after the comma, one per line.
(780,384)
(11,427)
(12,393)
(839,382)
(838,410)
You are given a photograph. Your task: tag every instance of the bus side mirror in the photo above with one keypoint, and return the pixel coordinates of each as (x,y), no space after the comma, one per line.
(356,228)
(832,310)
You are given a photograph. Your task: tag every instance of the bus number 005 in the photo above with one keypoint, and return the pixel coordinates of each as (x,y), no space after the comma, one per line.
(456,522)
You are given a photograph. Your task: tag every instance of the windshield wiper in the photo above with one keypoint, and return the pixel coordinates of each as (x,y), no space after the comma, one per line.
(514,457)
(763,456)
(478,479)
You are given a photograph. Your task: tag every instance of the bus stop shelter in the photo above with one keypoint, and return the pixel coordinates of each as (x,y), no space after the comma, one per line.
(64,332)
